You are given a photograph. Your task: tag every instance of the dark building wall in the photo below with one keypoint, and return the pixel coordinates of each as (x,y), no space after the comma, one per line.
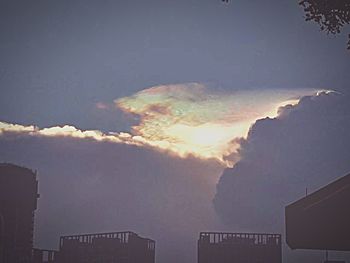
(321,219)
(18,201)
(239,247)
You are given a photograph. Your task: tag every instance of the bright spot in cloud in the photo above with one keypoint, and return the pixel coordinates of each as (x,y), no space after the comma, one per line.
(101,106)
(185,119)
(189,119)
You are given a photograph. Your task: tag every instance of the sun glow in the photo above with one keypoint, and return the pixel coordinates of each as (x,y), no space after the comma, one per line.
(193,120)
(183,120)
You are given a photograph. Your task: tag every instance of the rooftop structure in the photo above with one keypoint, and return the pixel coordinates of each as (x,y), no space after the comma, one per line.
(126,247)
(44,256)
(215,247)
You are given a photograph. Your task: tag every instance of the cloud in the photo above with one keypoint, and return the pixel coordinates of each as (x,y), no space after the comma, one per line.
(89,185)
(17,130)
(305,146)
(102,106)
(115,181)
(192,119)
(183,120)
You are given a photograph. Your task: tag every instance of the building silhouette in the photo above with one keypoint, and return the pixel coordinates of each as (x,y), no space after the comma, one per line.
(125,247)
(321,219)
(18,201)
(214,247)
(44,256)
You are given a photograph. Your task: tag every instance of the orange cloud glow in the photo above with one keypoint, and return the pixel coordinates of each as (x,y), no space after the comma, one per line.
(190,119)
(185,119)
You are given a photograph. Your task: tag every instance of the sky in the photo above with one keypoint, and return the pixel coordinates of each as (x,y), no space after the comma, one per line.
(163,104)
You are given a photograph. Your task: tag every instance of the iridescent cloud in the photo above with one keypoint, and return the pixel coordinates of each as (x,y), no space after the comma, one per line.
(191,119)
(184,119)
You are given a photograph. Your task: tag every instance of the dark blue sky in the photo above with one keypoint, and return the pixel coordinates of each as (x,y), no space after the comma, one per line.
(58,58)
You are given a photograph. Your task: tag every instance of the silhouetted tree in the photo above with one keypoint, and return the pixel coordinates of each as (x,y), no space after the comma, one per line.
(331,15)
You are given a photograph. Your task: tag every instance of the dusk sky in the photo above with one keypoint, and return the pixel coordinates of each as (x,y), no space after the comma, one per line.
(171,117)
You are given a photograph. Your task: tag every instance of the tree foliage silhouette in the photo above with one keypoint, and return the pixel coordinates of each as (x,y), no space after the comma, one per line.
(331,15)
